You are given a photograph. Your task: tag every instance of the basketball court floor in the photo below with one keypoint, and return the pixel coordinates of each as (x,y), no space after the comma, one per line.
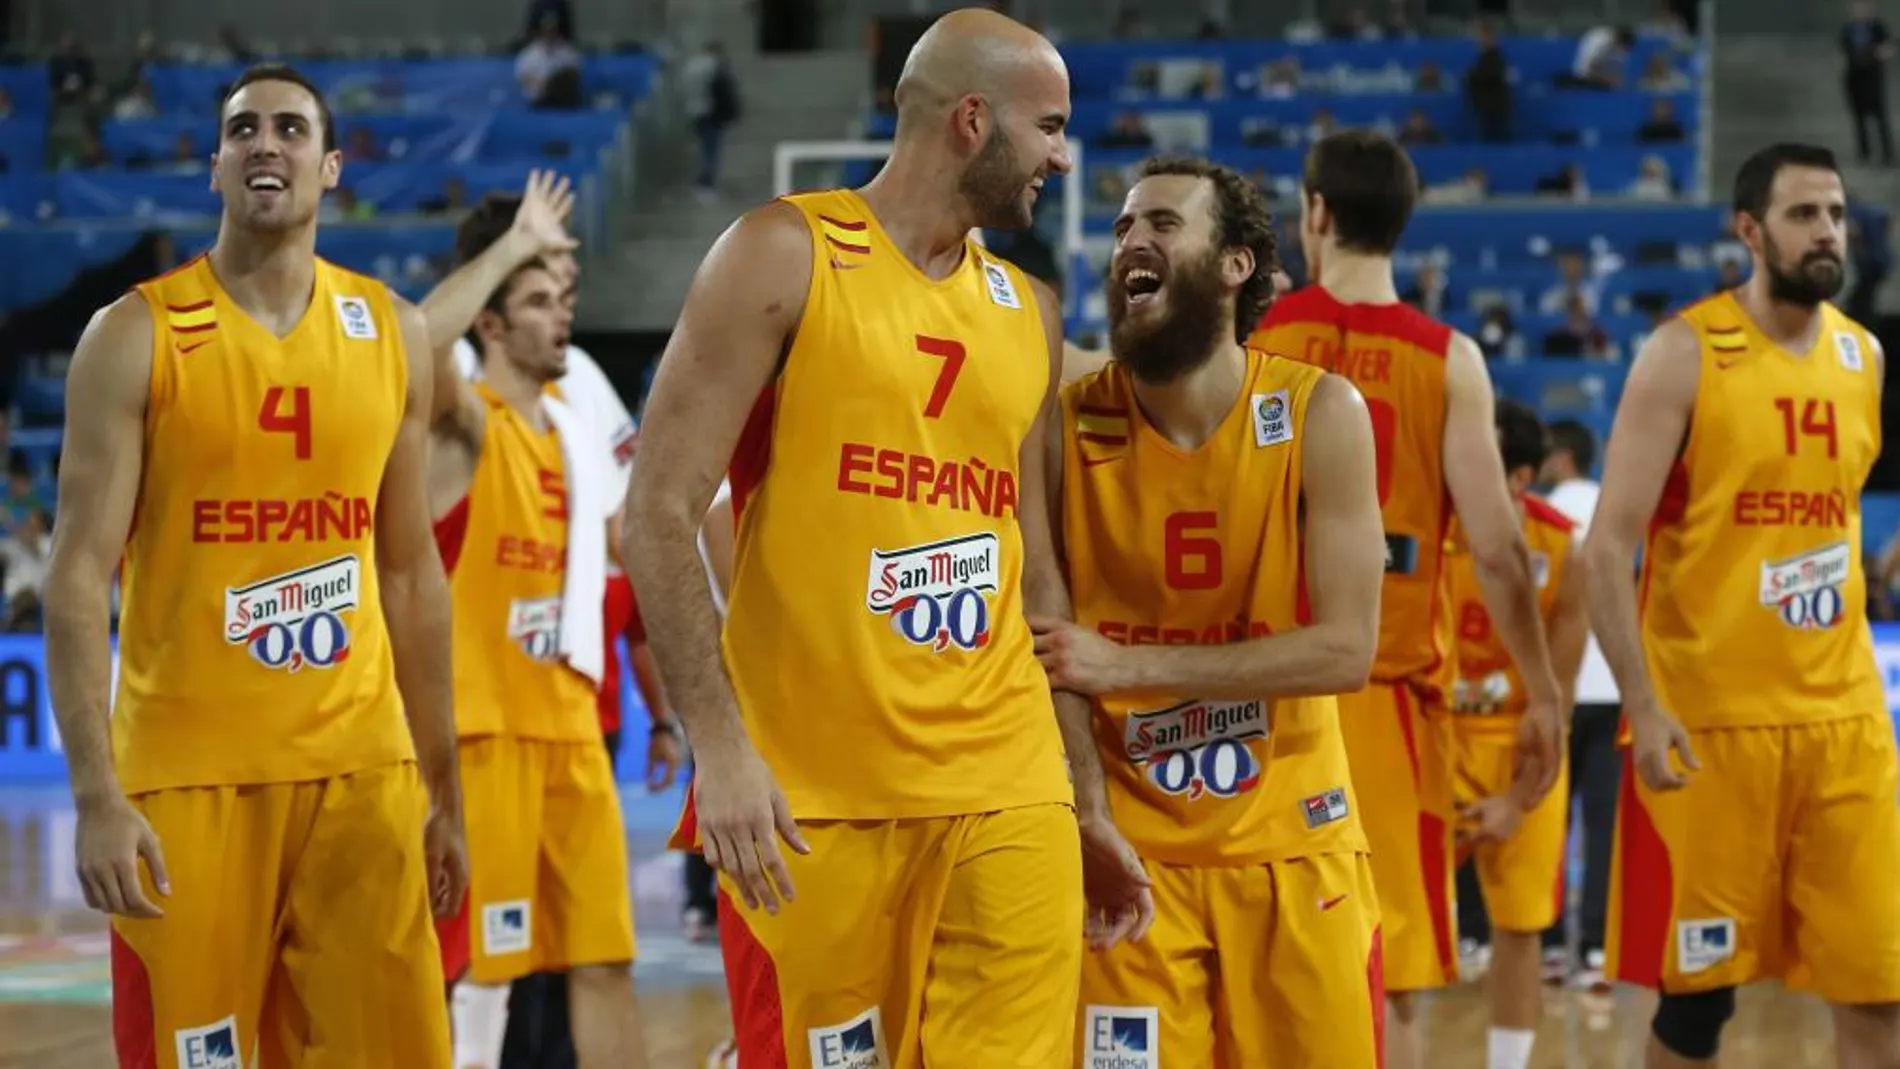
(55,988)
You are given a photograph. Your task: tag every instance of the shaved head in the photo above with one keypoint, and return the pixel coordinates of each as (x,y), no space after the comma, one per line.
(972,52)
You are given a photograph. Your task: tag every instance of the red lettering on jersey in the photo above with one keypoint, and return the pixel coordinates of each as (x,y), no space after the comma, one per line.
(530,555)
(964,486)
(310,519)
(1791,508)
(1361,364)
(1123,633)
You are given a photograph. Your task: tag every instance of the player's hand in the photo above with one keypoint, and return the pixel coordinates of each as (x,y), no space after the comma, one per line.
(742,815)
(540,225)
(111,839)
(663,758)
(1654,734)
(446,849)
(1077,660)
(1541,742)
(1120,896)
(1489,820)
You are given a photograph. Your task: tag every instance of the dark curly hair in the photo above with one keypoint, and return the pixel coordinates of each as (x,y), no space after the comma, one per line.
(1241,219)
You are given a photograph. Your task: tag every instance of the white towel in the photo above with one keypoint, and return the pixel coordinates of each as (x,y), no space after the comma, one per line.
(582,644)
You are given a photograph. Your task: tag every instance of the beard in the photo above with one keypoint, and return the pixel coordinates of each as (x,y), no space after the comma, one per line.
(993,184)
(1159,347)
(1814,278)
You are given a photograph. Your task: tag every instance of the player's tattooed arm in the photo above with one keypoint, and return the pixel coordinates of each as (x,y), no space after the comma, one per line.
(1345,550)
(102,461)
(1652,424)
(741,313)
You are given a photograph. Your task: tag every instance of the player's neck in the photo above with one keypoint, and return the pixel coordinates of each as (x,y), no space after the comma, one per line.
(271,277)
(1357,278)
(1190,409)
(516,390)
(1791,326)
(918,207)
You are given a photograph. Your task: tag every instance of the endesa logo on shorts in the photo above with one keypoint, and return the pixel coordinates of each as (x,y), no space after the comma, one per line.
(1805,591)
(855,1044)
(938,595)
(1121,1037)
(1198,748)
(213,1046)
(294,620)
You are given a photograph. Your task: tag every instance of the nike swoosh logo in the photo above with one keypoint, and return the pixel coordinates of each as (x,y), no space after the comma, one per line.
(183,349)
(1089,462)
(1326,904)
(836,266)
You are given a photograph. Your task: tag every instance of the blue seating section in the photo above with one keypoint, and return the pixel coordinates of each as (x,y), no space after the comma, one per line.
(429,124)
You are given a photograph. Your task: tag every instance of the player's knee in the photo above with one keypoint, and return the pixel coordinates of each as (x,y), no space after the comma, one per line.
(1690,1026)
(600,978)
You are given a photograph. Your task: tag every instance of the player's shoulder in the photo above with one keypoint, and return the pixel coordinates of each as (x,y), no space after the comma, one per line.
(1539,512)
(1104,389)
(364,302)
(1309,302)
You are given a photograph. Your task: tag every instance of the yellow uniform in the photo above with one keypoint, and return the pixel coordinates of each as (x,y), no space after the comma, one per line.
(1522,878)
(546,845)
(876,643)
(257,724)
(1265,947)
(1399,745)
(1778,858)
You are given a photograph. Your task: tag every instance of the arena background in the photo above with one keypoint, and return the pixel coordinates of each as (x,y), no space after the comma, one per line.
(107,117)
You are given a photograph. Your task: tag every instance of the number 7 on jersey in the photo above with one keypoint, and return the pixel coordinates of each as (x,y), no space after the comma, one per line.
(952,353)
(274,417)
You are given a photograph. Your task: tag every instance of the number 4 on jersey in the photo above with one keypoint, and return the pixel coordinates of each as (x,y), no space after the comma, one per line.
(294,420)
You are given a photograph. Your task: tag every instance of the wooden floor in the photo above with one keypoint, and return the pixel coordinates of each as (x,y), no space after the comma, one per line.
(54,1015)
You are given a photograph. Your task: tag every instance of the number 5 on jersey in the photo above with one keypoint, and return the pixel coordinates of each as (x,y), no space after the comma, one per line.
(292,418)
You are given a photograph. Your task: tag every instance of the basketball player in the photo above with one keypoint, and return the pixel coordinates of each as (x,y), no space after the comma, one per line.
(521,512)
(879,683)
(1430,401)
(263,414)
(1221,527)
(1757,835)
(1517,848)
(491,242)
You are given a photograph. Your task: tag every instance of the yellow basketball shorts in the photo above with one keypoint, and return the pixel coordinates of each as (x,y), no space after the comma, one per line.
(1401,762)
(1778,860)
(297,932)
(1522,877)
(1258,965)
(942,941)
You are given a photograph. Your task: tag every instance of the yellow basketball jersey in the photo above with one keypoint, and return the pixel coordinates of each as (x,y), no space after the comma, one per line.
(875,635)
(1754,603)
(252,647)
(1172,547)
(505,546)
(1489,693)
(1395,355)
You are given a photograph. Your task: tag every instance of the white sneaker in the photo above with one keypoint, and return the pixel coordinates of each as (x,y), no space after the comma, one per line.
(1474,959)
(1591,977)
(1557,965)
(723,1056)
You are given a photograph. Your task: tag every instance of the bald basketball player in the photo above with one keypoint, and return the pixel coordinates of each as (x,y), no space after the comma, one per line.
(263,414)
(1430,398)
(1757,833)
(880,384)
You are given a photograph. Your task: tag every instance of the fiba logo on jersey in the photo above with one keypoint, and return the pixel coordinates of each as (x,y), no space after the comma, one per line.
(294,620)
(1121,1037)
(1805,591)
(938,595)
(1198,748)
(353,313)
(1271,423)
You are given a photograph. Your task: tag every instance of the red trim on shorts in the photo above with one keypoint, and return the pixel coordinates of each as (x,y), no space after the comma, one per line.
(686,833)
(753,453)
(758,1012)
(452,936)
(1645,888)
(134,1028)
(450,532)
(1375,984)
(1431,847)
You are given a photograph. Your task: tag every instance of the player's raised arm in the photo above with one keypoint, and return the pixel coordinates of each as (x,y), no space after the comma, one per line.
(415,595)
(1344,540)
(1474,474)
(743,307)
(102,459)
(1651,422)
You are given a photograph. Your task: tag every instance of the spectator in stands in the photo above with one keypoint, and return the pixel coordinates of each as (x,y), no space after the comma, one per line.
(1728,275)
(1398,22)
(137,103)
(91,154)
(549,68)
(1568,182)
(1579,334)
(1870,247)
(1468,189)
(1661,75)
(1602,59)
(23,555)
(1497,335)
(1127,131)
(1866,47)
(1418,129)
(1280,79)
(713,104)
(70,69)
(1323,124)
(1427,291)
(1662,126)
(1573,283)
(185,158)
(20,496)
(452,200)
(540,12)
(1488,87)
(361,147)
(1429,79)
(1653,181)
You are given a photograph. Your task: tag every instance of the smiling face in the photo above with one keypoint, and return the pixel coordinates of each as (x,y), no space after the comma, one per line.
(272,166)
(1024,145)
(1171,285)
